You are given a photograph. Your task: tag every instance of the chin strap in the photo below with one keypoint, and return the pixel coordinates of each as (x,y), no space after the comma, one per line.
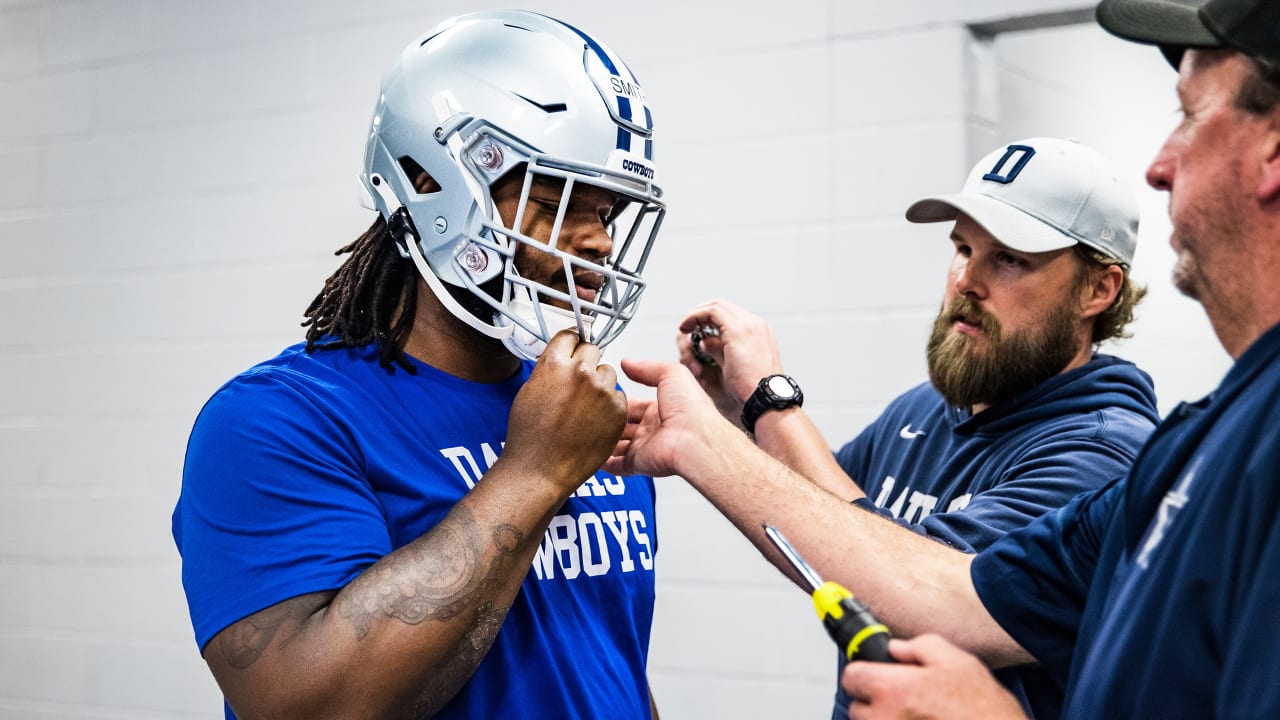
(400,225)
(525,344)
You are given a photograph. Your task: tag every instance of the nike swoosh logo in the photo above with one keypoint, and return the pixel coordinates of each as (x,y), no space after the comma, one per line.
(906,433)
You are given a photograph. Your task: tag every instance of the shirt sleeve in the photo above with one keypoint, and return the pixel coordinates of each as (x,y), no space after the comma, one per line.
(1034,581)
(1045,477)
(274,503)
(852,456)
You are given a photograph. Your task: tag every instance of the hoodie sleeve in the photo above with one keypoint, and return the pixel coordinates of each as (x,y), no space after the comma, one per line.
(966,480)
(1050,470)
(1046,479)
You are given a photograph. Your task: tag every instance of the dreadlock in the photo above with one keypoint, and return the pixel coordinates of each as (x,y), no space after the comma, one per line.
(371,297)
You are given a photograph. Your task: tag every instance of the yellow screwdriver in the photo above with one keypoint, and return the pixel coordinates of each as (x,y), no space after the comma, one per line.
(856,631)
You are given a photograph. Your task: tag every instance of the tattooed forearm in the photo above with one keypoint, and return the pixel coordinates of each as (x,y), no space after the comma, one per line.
(437,577)
(455,584)
(470,650)
(243,643)
(454,571)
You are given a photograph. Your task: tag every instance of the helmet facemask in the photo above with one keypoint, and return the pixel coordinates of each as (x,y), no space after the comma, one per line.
(596,296)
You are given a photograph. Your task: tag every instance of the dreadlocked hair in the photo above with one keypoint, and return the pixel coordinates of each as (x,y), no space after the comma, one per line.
(371,297)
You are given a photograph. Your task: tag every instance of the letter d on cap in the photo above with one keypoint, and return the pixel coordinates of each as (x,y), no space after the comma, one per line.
(995,174)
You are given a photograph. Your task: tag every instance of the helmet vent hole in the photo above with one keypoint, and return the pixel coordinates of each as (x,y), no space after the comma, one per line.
(423,183)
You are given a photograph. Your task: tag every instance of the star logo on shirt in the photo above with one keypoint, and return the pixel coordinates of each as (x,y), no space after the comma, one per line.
(1174,500)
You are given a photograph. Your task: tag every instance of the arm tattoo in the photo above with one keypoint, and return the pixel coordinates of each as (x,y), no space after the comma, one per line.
(440,578)
(244,642)
(462,662)
(433,578)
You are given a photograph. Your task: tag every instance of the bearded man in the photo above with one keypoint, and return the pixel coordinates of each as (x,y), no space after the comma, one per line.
(1022,412)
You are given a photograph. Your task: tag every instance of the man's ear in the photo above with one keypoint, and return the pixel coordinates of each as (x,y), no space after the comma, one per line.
(1269,183)
(1101,290)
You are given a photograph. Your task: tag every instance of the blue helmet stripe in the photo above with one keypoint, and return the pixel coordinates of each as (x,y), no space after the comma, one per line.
(624,103)
(624,106)
(595,47)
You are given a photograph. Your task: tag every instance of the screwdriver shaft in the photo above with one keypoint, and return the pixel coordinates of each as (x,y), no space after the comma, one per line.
(809,574)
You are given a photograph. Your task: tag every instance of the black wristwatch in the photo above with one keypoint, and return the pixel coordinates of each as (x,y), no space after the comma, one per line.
(775,392)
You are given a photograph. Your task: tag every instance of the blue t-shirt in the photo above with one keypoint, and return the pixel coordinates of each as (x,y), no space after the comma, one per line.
(966,480)
(1156,596)
(306,469)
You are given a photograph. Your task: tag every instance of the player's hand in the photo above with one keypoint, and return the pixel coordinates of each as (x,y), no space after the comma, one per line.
(665,436)
(567,418)
(932,679)
(742,347)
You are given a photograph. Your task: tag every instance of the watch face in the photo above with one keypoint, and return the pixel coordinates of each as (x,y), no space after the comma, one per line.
(780,388)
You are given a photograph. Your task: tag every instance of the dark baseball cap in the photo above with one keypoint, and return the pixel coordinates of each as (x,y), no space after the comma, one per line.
(1251,27)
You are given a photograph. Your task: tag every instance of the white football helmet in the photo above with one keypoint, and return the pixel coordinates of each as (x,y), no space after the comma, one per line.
(482,94)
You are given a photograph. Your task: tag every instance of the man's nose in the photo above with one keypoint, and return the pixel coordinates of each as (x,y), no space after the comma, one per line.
(587,236)
(968,281)
(1160,172)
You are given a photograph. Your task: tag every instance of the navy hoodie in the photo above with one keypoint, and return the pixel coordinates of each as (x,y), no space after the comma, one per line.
(966,480)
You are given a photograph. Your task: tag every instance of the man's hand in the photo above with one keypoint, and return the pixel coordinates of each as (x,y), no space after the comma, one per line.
(661,434)
(932,679)
(743,348)
(569,415)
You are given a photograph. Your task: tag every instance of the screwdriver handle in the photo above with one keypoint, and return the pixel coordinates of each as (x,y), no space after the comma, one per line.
(855,630)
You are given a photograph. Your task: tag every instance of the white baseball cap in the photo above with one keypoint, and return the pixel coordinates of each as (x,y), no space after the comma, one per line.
(1044,194)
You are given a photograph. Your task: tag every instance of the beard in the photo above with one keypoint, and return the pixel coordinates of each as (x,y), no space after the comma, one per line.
(967,375)
(1186,275)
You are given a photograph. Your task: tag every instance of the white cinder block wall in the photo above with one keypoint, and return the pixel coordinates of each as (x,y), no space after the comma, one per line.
(175,175)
